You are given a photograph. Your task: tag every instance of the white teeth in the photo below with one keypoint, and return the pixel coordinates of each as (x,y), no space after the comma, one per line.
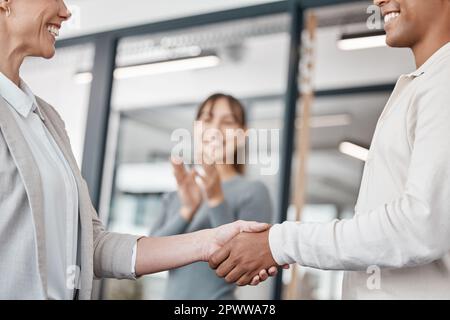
(54,31)
(390,16)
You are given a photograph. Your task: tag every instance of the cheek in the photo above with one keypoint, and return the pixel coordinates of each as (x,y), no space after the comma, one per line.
(22,27)
(29,31)
(403,33)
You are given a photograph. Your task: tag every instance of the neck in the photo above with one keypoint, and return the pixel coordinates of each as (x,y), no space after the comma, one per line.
(226,171)
(10,59)
(424,49)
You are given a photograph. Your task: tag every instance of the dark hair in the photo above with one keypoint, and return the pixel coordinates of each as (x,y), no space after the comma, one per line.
(238,112)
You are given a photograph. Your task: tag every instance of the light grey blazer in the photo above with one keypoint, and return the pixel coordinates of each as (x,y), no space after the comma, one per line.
(23,272)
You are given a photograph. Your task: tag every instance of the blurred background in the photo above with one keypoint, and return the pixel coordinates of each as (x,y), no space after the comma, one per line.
(115,84)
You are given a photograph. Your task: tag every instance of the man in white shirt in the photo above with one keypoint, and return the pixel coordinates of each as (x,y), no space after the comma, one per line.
(402,219)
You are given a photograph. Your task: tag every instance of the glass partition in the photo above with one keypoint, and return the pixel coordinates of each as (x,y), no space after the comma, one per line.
(160,81)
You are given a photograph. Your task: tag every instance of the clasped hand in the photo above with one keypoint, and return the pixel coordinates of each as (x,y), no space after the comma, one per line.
(240,251)
(246,259)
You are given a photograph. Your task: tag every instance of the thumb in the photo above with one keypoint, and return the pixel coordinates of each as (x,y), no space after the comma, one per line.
(228,231)
(252,226)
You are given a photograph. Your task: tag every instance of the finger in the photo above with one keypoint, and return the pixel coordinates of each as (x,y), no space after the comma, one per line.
(219,256)
(192,174)
(286,267)
(209,168)
(208,157)
(201,179)
(245,280)
(256,280)
(179,170)
(252,226)
(263,275)
(174,159)
(273,271)
(225,268)
(234,275)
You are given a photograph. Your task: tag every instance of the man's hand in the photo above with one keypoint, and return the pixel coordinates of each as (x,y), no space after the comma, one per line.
(220,237)
(242,259)
(217,238)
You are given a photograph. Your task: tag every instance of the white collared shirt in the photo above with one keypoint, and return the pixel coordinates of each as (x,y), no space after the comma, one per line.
(398,244)
(59,189)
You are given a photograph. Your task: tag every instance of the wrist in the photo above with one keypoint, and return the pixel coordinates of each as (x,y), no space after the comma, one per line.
(186,213)
(203,243)
(216,200)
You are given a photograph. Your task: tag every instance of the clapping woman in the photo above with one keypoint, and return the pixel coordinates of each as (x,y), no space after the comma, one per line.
(212,195)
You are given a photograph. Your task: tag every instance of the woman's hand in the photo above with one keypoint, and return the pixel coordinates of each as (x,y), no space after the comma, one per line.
(212,184)
(218,237)
(188,190)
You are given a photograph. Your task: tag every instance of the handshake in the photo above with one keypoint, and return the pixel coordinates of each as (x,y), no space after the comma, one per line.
(240,253)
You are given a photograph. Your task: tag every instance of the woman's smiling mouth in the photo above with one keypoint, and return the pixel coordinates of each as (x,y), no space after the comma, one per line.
(53,30)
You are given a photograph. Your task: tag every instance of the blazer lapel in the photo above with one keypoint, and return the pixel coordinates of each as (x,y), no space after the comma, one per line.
(31,178)
(85,238)
(68,155)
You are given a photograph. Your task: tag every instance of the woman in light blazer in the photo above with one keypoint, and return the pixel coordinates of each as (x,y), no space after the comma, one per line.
(52,243)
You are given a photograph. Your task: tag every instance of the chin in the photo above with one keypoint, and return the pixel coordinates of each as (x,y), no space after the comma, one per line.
(48,54)
(399,39)
(394,42)
(391,42)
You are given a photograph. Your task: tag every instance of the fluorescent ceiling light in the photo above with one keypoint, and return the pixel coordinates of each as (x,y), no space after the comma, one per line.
(178,65)
(83,78)
(327,121)
(166,67)
(362,41)
(353,150)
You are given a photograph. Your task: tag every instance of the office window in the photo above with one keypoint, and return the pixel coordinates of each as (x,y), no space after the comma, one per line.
(58,82)
(160,80)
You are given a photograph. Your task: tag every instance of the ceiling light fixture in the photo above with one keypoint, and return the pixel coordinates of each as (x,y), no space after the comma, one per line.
(154,68)
(354,150)
(362,40)
(178,65)
(83,77)
(327,121)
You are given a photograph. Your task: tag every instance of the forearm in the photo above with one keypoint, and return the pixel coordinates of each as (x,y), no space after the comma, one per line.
(159,254)
(412,230)
(396,235)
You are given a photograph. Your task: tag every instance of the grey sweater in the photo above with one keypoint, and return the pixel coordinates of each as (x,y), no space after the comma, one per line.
(244,200)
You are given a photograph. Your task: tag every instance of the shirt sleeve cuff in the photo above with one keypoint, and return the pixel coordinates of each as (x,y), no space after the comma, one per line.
(277,243)
(133,260)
